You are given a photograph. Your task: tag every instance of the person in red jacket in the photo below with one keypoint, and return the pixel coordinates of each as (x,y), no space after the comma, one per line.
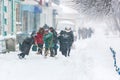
(39,40)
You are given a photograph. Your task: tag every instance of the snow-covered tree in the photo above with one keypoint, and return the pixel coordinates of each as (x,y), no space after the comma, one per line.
(116,13)
(93,7)
(106,9)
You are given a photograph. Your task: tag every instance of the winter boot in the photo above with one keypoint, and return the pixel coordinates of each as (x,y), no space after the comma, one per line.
(21,56)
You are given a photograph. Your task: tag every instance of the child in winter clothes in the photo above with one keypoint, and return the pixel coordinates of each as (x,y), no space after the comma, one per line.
(39,40)
(26,45)
(48,40)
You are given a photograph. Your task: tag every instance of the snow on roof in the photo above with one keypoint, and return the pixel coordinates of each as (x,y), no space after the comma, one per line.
(30,2)
(7,37)
(66,22)
(62,24)
(55,6)
(68,10)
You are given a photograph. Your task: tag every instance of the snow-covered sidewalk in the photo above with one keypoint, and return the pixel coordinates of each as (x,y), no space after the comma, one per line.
(90,60)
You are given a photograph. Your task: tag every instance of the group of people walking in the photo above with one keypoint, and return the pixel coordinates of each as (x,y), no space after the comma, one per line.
(49,39)
(84,33)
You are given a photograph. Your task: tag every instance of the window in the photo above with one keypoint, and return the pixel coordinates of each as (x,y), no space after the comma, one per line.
(5,21)
(5,9)
(18,16)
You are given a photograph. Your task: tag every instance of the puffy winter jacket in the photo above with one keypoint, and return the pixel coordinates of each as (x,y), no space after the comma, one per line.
(39,38)
(26,45)
(48,39)
(66,37)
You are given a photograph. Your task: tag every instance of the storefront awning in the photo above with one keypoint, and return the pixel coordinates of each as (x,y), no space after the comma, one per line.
(37,9)
(31,8)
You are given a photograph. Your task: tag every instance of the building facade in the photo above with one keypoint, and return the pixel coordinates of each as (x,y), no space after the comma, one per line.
(36,14)
(30,16)
(8,17)
(0,17)
(25,15)
(56,2)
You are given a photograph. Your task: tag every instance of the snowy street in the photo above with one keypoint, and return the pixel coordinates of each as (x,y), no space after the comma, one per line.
(89,28)
(90,60)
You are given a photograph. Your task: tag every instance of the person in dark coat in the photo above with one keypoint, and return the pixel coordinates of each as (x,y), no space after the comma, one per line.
(26,45)
(60,39)
(55,40)
(79,33)
(90,31)
(66,39)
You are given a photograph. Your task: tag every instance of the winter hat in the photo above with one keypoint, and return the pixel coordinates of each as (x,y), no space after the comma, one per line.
(68,28)
(51,29)
(33,33)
